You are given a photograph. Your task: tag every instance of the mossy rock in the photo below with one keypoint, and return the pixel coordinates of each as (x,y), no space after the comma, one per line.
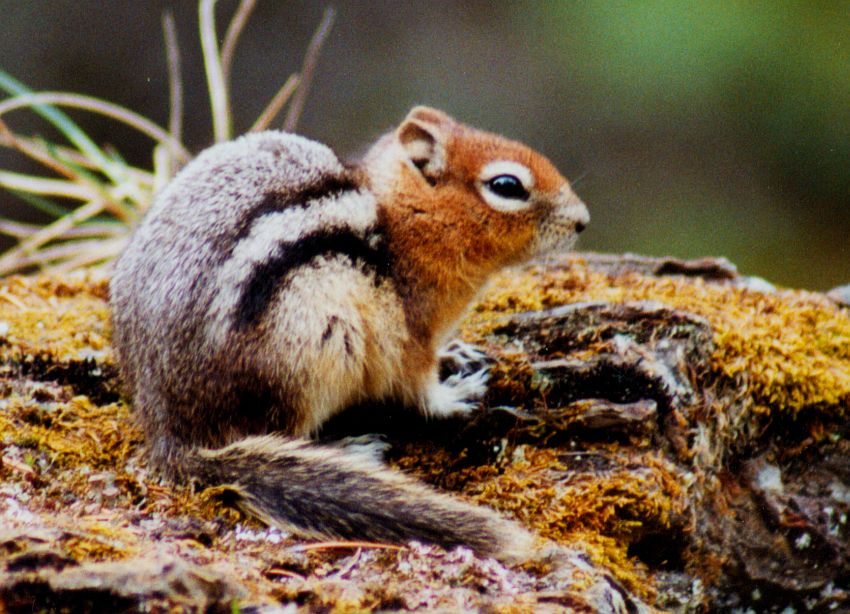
(681,432)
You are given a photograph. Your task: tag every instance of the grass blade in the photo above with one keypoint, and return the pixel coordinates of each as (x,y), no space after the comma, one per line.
(45,205)
(61,122)
(45,186)
(308,68)
(102,252)
(10,261)
(102,107)
(219,97)
(112,196)
(273,108)
(175,86)
(234,30)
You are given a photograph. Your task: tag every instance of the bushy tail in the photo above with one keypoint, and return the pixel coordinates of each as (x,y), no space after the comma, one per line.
(327,491)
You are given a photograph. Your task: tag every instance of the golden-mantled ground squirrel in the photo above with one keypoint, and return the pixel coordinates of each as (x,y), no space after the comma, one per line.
(270,286)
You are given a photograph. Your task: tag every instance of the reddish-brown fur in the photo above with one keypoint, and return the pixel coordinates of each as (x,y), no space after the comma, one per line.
(446,240)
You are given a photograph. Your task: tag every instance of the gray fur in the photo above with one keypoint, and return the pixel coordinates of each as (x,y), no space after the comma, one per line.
(199,379)
(173,297)
(335,492)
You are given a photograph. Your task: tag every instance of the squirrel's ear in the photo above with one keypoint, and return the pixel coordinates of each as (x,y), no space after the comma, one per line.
(429,115)
(423,136)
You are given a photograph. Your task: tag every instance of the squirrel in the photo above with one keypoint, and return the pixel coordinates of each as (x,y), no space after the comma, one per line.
(270,286)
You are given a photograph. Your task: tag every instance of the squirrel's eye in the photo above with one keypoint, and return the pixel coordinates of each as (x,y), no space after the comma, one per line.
(507,186)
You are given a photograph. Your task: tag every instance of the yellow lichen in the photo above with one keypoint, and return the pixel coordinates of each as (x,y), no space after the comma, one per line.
(72,433)
(792,347)
(604,512)
(99,540)
(65,319)
(790,352)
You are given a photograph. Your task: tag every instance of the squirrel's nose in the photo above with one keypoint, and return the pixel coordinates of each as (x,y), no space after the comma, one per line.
(582,217)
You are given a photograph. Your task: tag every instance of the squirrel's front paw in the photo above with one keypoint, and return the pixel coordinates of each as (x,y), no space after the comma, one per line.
(459,357)
(457,394)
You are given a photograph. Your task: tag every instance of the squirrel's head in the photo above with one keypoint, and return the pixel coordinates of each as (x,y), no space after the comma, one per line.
(512,200)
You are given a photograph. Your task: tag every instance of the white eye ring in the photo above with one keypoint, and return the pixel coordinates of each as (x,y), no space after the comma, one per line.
(510,168)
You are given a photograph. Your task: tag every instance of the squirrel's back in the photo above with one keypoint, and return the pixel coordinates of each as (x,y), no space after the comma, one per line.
(194,290)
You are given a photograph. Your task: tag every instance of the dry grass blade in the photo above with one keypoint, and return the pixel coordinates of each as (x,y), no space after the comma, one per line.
(175,86)
(98,178)
(163,169)
(16,258)
(18,230)
(311,59)
(101,251)
(29,149)
(234,30)
(58,157)
(219,94)
(67,251)
(346,544)
(83,186)
(277,103)
(96,105)
(276,571)
(45,186)
(91,230)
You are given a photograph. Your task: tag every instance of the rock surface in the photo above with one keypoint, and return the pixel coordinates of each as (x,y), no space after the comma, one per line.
(677,433)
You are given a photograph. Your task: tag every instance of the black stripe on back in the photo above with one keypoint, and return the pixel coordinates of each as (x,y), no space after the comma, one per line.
(269,277)
(332,186)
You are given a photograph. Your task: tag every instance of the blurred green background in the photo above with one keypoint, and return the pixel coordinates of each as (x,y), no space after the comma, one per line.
(689,128)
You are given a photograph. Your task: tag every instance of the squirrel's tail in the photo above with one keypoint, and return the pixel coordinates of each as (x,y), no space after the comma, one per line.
(328,491)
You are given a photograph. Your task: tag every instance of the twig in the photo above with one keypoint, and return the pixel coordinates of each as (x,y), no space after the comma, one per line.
(308,68)
(237,24)
(355,558)
(276,104)
(11,463)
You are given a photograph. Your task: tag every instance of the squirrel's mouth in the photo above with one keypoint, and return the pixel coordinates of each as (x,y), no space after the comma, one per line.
(558,233)
(553,238)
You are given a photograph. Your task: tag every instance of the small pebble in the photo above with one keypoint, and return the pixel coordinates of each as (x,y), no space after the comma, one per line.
(840,295)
